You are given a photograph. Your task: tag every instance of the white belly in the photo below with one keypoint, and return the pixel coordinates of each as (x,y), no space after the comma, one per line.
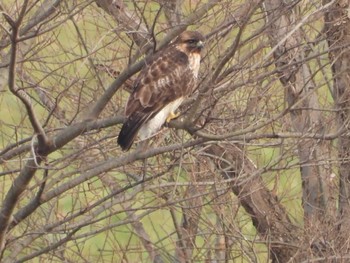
(152,126)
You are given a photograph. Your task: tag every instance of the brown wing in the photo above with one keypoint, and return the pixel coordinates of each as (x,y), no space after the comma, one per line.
(164,79)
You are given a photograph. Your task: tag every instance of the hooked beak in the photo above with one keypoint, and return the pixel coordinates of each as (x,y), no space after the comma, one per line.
(200,44)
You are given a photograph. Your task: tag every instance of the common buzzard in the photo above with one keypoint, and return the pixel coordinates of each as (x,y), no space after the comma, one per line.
(165,81)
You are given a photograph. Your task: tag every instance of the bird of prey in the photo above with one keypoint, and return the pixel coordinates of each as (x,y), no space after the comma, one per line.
(162,85)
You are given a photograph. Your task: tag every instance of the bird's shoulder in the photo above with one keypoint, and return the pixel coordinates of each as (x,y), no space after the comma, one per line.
(162,80)
(164,62)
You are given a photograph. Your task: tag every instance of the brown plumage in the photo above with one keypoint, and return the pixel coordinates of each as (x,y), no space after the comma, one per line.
(165,81)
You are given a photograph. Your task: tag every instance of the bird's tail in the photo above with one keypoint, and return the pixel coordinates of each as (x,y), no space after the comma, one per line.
(130,129)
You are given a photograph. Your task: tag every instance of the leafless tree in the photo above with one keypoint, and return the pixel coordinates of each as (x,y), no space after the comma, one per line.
(255,169)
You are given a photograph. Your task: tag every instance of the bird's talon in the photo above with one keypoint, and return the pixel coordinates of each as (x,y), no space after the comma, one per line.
(172,116)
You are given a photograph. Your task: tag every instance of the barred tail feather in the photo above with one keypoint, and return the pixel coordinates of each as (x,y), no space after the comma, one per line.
(130,129)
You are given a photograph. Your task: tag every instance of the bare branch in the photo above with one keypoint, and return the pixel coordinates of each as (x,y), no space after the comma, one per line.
(268,215)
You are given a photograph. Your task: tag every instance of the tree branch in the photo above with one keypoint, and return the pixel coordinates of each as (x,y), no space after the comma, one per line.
(268,215)
(29,170)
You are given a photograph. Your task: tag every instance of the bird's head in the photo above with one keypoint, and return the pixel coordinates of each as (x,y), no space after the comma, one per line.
(190,41)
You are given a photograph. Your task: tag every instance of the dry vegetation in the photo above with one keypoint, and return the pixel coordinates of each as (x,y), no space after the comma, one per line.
(256,168)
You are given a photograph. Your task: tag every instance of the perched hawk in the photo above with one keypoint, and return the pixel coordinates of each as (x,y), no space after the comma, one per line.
(162,85)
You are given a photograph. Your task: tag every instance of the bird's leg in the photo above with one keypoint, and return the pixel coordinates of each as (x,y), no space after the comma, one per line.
(172,115)
(141,147)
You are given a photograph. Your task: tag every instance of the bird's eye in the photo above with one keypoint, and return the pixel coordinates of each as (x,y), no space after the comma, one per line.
(191,41)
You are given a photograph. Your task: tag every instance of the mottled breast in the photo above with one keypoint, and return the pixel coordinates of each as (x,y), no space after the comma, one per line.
(194,63)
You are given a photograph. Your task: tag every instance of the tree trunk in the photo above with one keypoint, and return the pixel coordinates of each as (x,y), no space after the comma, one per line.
(268,215)
(337,29)
(296,78)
